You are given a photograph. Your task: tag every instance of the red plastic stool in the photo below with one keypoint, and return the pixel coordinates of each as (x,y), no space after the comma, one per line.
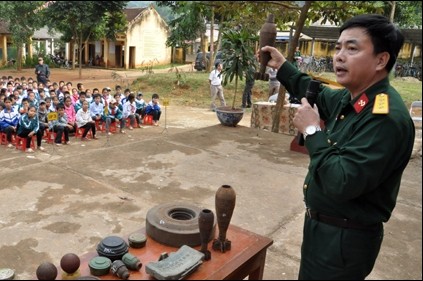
(46,135)
(3,138)
(112,127)
(148,120)
(128,122)
(80,131)
(21,142)
(100,125)
(52,137)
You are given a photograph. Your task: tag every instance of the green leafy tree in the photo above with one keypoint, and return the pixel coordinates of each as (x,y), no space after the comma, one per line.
(23,19)
(238,56)
(188,24)
(407,14)
(89,20)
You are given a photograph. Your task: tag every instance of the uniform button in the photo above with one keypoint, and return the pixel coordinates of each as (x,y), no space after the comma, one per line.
(329,141)
(341,117)
(305,186)
(334,143)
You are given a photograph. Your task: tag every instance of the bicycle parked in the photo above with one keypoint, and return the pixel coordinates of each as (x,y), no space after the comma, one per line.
(61,62)
(316,65)
(408,69)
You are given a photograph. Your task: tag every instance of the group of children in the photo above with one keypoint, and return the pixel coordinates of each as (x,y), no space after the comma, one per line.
(25,107)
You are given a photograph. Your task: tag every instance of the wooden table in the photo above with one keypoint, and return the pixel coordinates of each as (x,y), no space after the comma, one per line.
(246,258)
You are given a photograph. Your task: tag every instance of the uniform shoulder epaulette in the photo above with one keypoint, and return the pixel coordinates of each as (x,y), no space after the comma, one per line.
(381,105)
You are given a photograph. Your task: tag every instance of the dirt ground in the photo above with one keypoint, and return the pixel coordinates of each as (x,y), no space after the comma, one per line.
(66,199)
(91,77)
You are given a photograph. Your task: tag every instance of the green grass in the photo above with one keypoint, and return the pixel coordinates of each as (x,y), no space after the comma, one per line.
(194,90)
(409,88)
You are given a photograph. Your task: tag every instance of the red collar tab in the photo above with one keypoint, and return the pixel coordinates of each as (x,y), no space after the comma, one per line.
(361,103)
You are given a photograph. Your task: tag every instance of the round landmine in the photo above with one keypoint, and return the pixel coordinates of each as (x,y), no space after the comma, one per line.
(112,247)
(7,274)
(99,266)
(46,271)
(70,263)
(137,240)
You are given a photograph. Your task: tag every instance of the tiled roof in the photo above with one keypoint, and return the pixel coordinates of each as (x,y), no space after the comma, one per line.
(4,27)
(132,13)
(332,33)
(44,34)
(41,33)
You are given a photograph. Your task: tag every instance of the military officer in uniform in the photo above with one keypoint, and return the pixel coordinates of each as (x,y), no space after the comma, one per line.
(357,159)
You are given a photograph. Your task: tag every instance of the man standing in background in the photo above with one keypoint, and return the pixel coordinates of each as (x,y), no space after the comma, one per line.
(42,71)
(216,89)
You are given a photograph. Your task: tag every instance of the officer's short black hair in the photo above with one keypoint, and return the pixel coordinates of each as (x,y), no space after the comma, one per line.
(385,36)
(216,65)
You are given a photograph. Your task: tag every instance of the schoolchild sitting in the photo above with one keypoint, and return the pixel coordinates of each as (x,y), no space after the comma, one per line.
(32,100)
(70,113)
(9,118)
(85,121)
(78,104)
(42,116)
(129,111)
(153,108)
(23,108)
(54,104)
(112,115)
(29,126)
(60,126)
(141,104)
(96,108)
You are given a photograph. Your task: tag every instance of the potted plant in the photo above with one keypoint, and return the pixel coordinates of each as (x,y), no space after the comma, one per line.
(238,61)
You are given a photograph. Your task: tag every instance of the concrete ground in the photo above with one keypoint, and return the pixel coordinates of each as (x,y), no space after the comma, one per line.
(69,198)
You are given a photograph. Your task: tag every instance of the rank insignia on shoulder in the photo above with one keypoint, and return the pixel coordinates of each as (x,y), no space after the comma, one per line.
(381,105)
(361,103)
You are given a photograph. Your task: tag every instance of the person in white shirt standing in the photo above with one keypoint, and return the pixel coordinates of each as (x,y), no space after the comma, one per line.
(274,84)
(216,89)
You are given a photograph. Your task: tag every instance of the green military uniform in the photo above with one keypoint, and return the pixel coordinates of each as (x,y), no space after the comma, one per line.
(355,170)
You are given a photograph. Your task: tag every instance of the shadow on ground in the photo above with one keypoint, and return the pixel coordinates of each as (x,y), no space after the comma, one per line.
(69,198)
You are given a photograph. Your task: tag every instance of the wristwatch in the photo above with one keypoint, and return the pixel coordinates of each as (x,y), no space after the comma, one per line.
(311,130)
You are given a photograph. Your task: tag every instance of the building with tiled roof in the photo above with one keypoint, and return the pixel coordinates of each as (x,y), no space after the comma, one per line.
(142,44)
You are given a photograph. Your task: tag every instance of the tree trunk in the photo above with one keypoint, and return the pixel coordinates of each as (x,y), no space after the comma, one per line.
(236,87)
(210,66)
(392,14)
(203,49)
(278,109)
(80,58)
(19,58)
(298,29)
(80,53)
(281,97)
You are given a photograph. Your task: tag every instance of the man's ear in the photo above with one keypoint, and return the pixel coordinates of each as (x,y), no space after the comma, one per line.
(383,59)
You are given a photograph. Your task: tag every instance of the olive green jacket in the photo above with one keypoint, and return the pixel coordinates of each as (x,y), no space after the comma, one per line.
(357,161)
